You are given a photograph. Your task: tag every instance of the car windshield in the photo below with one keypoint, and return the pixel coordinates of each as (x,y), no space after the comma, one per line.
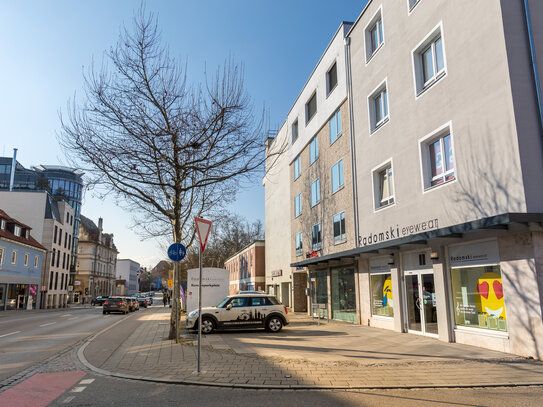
(223,302)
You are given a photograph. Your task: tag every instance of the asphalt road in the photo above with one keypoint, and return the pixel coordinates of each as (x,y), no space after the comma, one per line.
(29,337)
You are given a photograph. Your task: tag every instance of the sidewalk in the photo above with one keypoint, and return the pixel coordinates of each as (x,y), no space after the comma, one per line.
(303,355)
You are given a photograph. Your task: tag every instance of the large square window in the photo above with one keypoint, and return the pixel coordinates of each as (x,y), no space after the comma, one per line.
(378,107)
(337,176)
(297,167)
(335,126)
(429,61)
(316,237)
(339,228)
(311,108)
(298,205)
(313,149)
(315,192)
(299,244)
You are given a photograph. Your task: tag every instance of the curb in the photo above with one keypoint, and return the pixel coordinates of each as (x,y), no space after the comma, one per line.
(83,359)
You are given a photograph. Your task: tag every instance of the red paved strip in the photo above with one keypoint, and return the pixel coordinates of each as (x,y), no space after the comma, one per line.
(40,389)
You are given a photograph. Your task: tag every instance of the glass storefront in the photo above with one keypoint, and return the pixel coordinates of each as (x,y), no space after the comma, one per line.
(382,303)
(478,297)
(343,294)
(319,293)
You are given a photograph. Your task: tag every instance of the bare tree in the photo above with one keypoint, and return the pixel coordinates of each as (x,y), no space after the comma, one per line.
(164,149)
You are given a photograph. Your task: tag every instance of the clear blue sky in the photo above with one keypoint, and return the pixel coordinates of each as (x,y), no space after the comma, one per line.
(46,45)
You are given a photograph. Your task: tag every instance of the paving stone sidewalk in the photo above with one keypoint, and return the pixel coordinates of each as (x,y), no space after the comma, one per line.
(305,355)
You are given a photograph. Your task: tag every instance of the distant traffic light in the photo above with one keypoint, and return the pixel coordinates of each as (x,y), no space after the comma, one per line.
(148,274)
(86,291)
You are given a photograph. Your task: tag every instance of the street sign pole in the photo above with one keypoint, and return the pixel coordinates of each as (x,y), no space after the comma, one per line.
(200,310)
(176,299)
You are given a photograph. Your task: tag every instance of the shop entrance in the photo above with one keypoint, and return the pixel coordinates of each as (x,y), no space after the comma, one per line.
(420,295)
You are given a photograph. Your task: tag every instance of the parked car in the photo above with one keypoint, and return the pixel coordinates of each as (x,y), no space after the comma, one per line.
(241,311)
(115,304)
(99,300)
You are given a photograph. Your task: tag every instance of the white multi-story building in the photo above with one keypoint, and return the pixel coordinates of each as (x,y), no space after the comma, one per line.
(127,272)
(447,120)
(51,221)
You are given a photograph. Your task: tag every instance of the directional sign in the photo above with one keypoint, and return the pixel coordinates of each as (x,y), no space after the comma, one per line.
(170,283)
(202,227)
(177,252)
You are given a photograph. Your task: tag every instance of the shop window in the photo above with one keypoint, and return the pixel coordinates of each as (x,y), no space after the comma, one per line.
(319,293)
(343,294)
(313,150)
(335,126)
(478,297)
(381,295)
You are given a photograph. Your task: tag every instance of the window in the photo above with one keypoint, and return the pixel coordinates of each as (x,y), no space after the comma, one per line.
(56,280)
(337,176)
(313,150)
(55,235)
(299,244)
(374,35)
(27,257)
(335,126)
(411,4)
(51,280)
(429,61)
(3,224)
(315,192)
(53,258)
(311,108)
(294,131)
(339,228)
(60,237)
(298,205)
(13,257)
(36,261)
(331,79)
(67,217)
(437,158)
(17,231)
(383,186)
(2,251)
(240,302)
(316,237)
(65,239)
(381,294)
(297,167)
(378,107)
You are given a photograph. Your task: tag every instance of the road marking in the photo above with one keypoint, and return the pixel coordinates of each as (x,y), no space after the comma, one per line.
(50,323)
(68,399)
(71,319)
(11,333)
(86,381)
(78,389)
(66,315)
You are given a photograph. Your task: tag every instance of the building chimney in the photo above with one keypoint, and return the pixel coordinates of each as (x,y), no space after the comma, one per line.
(100,223)
(13,166)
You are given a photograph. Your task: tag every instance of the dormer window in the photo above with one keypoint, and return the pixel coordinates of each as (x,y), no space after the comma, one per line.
(3,224)
(17,230)
(27,234)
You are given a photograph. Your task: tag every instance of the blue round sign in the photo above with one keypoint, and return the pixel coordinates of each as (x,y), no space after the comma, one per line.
(177,252)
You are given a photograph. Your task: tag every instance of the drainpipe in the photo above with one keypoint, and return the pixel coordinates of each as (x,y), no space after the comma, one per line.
(537,84)
(347,41)
(13,166)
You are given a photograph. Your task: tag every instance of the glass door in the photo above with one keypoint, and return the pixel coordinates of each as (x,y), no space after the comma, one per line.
(421,303)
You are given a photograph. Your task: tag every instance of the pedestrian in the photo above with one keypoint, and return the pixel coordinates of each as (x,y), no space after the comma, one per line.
(165,298)
(83,300)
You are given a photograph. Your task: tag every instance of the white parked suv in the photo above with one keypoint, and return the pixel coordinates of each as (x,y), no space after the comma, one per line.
(254,310)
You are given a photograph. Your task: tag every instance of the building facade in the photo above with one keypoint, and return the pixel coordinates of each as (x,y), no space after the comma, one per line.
(127,276)
(21,260)
(97,259)
(448,161)
(247,268)
(51,219)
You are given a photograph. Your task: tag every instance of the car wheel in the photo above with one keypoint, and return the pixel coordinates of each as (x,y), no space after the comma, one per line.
(104,312)
(207,325)
(274,324)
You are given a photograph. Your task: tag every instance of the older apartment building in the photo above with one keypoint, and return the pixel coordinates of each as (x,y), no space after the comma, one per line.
(246,268)
(447,126)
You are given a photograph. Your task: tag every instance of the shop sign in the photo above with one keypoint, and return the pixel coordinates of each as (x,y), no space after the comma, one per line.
(396,232)
(473,255)
(277,273)
(76,282)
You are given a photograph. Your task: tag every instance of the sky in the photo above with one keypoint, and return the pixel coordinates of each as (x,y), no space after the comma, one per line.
(47,45)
